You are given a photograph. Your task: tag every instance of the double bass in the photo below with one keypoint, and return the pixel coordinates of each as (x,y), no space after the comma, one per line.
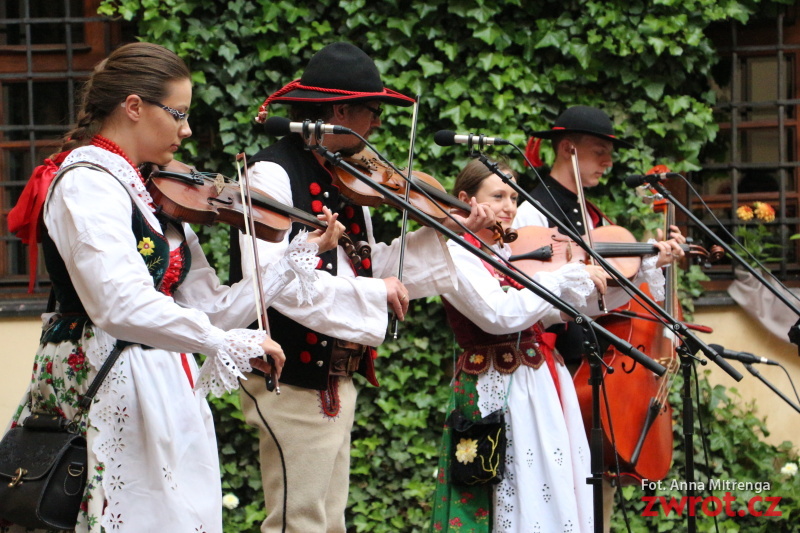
(638,410)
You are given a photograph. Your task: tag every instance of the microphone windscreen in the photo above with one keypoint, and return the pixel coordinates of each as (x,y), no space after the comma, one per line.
(444,138)
(634,180)
(277,126)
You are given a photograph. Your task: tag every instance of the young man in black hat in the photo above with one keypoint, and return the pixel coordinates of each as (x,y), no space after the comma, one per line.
(590,133)
(305,432)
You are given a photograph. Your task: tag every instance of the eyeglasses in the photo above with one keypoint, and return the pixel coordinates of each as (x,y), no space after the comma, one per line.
(177,115)
(376,111)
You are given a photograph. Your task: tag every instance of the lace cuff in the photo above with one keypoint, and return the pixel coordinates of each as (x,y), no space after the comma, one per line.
(652,275)
(299,262)
(571,282)
(220,373)
(301,257)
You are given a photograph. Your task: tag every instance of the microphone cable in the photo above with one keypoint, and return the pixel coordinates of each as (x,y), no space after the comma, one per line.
(280,454)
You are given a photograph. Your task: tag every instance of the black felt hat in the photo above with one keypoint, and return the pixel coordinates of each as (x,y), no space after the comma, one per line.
(340,72)
(584,119)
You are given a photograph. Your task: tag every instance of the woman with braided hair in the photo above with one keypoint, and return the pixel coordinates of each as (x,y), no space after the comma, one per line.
(120,272)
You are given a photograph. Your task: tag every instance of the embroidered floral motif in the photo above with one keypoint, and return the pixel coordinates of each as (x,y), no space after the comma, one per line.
(466,450)
(146,246)
(476,358)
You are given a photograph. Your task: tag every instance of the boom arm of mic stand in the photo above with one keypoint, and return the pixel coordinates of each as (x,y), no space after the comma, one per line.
(774,389)
(659,187)
(623,346)
(689,339)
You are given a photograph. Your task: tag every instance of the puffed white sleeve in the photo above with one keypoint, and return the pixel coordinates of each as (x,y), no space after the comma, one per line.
(346,307)
(234,306)
(482,299)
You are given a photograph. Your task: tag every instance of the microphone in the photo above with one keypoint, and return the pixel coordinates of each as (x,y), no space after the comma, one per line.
(744,357)
(449,138)
(282,126)
(637,180)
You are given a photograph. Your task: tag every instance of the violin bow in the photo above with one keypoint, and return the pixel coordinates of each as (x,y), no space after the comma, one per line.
(250,232)
(404,224)
(584,214)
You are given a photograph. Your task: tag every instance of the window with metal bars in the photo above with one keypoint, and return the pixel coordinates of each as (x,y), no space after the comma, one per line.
(47,49)
(755,157)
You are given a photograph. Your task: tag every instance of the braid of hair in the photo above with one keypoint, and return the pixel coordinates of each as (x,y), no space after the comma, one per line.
(82,133)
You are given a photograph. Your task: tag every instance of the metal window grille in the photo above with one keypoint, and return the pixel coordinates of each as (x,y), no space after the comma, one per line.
(756,155)
(47,49)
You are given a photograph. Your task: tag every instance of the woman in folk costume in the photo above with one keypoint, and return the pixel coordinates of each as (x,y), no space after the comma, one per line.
(120,272)
(508,363)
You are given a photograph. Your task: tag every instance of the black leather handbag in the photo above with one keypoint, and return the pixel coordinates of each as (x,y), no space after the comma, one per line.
(478,449)
(43,473)
(43,465)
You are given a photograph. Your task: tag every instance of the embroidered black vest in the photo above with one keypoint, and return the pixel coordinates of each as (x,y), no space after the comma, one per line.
(308,352)
(154,250)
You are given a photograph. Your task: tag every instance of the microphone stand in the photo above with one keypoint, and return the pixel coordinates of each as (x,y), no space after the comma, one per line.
(794,331)
(687,364)
(764,380)
(579,318)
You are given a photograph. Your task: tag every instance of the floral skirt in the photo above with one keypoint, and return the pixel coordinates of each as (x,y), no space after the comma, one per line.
(547,457)
(153,462)
(455,508)
(61,375)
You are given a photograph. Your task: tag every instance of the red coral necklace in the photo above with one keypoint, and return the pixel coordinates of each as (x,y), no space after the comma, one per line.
(114,148)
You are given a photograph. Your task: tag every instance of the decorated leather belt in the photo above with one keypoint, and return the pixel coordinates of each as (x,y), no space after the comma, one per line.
(346,358)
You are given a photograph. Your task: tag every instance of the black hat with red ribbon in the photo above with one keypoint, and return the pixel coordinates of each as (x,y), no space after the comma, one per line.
(577,119)
(339,73)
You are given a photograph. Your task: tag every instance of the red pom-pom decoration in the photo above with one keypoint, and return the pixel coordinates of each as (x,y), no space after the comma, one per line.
(305,357)
(316,206)
(532,152)
(314,188)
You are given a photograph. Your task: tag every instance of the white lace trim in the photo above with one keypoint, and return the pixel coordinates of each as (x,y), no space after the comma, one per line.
(235,348)
(653,276)
(302,259)
(111,414)
(571,283)
(120,168)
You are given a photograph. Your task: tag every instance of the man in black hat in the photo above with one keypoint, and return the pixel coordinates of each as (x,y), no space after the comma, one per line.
(305,432)
(589,132)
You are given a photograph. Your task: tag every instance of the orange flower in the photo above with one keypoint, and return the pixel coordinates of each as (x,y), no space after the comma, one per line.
(745,212)
(764,211)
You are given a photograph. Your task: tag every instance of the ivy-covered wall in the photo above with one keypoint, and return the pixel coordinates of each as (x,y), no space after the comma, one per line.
(499,67)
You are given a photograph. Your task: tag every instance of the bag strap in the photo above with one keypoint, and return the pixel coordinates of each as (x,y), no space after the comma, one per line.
(86,401)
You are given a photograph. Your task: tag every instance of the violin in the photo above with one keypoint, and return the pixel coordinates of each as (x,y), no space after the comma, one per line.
(426,194)
(545,249)
(209,198)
